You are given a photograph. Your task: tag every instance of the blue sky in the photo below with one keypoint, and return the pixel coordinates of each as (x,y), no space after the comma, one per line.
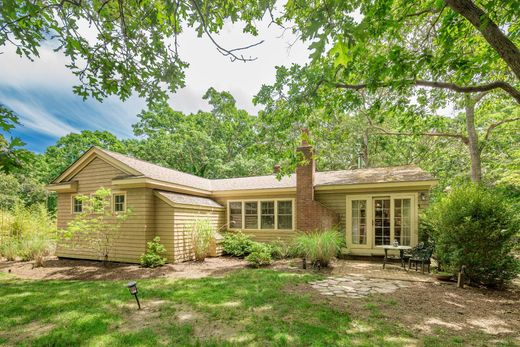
(40,92)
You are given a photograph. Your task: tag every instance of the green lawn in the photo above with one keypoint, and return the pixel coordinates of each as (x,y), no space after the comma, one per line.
(249,307)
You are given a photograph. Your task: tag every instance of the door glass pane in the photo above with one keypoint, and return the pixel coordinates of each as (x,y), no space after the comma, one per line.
(235,215)
(359,222)
(267,217)
(251,215)
(382,221)
(402,221)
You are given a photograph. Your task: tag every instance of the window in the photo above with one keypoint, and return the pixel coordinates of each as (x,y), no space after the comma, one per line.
(235,215)
(119,203)
(285,215)
(251,215)
(382,221)
(77,204)
(267,217)
(261,214)
(359,222)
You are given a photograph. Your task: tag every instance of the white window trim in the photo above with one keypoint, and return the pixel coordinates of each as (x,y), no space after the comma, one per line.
(113,202)
(260,214)
(72,200)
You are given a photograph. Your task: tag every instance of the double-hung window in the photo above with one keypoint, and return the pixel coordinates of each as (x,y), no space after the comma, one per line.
(77,204)
(119,201)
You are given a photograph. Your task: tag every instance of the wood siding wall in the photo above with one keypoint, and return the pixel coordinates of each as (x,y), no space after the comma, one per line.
(261,235)
(182,220)
(164,223)
(135,232)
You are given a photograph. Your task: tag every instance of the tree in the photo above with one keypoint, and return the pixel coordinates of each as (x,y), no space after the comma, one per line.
(97,227)
(216,144)
(426,54)
(12,157)
(120,47)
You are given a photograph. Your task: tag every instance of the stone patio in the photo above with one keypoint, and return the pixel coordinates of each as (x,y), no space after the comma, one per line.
(357,286)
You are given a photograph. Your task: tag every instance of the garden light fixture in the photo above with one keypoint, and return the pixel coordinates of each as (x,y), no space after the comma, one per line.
(132,287)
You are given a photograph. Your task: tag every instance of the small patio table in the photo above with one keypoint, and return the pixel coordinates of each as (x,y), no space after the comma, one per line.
(401,250)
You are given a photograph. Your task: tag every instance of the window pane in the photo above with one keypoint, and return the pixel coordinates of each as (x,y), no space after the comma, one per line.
(267,217)
(251,215)
(402,221)
(119,203)
(382,221)
(235,215)
(285,215)
(359,225)
(78,205)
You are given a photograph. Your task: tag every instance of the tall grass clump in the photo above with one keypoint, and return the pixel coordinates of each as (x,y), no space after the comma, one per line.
(27,233)
(202,234)
(319,247)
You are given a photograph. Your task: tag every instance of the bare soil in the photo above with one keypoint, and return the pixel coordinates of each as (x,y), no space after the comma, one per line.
(73,269)
(429,308)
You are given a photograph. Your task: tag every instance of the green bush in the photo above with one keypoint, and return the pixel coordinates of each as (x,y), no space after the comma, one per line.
(319,247)
(282,250)
(9,249)
(35,248)
(154,254)
(237,244)
(261,256)
(202,232)
(475,226)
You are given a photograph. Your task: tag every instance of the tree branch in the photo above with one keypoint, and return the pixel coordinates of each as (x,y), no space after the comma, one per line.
(494,125)
(445,85)
(225,52)
(491,32)
(383,131)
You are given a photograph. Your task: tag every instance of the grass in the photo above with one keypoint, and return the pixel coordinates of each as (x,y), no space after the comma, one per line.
(248,307)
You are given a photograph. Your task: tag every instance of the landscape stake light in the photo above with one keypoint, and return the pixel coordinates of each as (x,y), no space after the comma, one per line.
(132,287)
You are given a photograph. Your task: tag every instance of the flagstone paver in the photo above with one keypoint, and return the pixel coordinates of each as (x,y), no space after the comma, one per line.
(356,286)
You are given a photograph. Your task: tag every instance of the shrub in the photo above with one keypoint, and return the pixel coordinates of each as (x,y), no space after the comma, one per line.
(9,249)
(154,254)
(475,226)
(202,232)
(319,247)
(237,244)
(36,248)
(282,250)
(260,255)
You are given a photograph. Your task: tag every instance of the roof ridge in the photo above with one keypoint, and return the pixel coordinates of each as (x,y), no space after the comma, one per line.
(150,163)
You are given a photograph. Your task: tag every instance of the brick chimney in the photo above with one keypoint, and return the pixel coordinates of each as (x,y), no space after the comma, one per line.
(311,215)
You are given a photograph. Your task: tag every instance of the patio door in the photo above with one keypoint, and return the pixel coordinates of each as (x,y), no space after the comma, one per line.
(392,220)
(375,220)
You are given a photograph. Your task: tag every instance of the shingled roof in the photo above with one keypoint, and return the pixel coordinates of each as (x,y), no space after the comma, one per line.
(184,199)
(391,174)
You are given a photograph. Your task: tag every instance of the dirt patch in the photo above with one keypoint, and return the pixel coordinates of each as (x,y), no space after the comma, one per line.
(427,307)
(27,331)
(72,269)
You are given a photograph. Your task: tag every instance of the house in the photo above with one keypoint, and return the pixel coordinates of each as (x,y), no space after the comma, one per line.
(371,207)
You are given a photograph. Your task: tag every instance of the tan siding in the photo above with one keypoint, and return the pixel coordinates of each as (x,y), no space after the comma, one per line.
(164,226)
(262,235)
(139,227)
(183,218)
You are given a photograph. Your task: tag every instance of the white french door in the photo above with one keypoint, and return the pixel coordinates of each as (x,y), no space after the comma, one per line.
(379,220)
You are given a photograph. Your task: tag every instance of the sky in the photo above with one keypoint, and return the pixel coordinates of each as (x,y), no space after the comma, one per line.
(40,92)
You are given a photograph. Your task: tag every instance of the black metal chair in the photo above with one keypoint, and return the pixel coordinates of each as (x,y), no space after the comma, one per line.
(421,256)
(407,254)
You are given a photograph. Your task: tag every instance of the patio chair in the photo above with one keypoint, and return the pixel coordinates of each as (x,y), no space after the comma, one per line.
(421,256)
(407,254)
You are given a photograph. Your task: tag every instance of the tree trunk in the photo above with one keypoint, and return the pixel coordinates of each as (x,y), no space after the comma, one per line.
(491,32)
(365,149)
(474,151)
